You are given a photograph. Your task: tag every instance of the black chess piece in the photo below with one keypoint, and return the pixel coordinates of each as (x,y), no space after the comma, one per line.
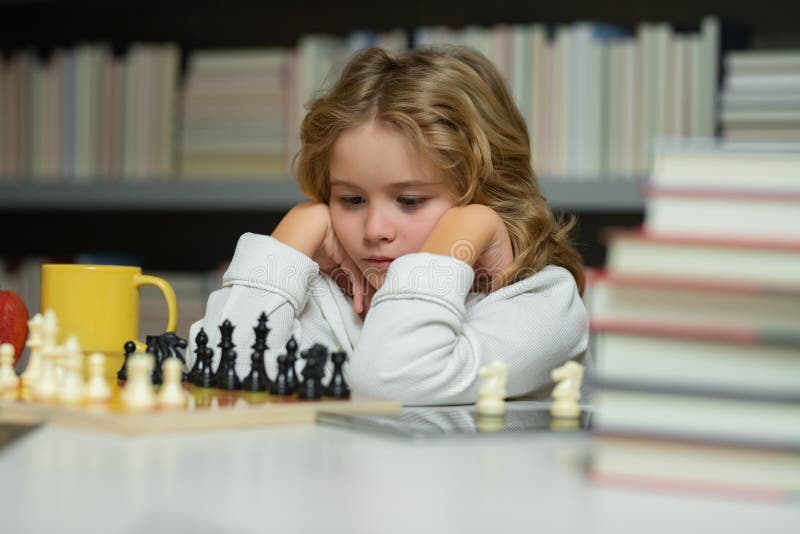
(201,374)
(281,384)
(226,377)
(310,388)
(170,344)
(201,341)
(226,335)
(258,380)
(225,342)
(337,387)
(129,348)
(314,370)
(153,348)
(291,357)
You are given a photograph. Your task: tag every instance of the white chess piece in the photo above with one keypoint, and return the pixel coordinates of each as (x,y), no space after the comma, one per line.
(34,343)
(50,326)
(71,386)
(60,363)
(493,390)
(97,389)
(138,393)
(172,394)
(567,391)
(45,387)
(8,377)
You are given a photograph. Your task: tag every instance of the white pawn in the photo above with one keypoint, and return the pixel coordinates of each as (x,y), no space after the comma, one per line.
(49,328)
(492,394)
(34,343)
(97,389)
(172,394)
(45,387)
(60,363)
(138,393)
(567,391)
(8,377)
(71,386)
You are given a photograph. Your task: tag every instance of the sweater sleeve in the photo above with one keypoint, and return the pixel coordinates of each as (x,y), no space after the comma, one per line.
(422,344)
(267,276)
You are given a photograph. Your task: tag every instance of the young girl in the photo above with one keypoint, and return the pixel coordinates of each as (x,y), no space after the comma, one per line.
(427,250)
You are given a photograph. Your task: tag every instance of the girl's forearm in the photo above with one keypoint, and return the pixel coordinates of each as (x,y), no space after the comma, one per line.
(463,233)
(304,227)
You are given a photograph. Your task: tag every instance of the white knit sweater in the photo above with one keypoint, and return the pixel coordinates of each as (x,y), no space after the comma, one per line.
(425,335)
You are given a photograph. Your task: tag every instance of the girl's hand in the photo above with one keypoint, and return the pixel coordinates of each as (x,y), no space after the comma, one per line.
(307,227)
(476,235)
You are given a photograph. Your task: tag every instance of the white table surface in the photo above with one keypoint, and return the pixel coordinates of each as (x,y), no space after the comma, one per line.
(318,479)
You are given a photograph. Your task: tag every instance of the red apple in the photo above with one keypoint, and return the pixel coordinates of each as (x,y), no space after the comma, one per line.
(13,321)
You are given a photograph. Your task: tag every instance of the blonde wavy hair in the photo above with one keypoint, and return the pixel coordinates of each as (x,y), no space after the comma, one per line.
(453,105)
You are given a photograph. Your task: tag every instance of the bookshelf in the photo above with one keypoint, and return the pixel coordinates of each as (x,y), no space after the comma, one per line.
(62,217)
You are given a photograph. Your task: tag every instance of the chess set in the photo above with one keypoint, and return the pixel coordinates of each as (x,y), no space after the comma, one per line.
(153,394)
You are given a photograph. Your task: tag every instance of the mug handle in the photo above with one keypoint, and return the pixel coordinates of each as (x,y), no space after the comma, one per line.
(169,294)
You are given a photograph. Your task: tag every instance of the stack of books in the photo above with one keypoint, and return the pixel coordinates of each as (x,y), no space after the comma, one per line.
(760,98)
(242,109)
(696,324)
(234,109)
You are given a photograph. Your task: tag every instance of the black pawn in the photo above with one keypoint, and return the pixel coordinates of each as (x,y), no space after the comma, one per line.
(315,358)
(258,380)
(226,377)
(281,384)
(337,387)
(291,357)
(201,340)
(129,348)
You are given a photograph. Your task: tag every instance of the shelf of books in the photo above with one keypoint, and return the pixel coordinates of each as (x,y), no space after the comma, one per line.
(595,97)
(695,321)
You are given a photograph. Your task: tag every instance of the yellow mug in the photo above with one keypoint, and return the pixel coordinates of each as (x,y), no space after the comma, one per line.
(100,305)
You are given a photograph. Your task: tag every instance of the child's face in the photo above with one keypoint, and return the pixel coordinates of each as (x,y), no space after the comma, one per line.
(385,197)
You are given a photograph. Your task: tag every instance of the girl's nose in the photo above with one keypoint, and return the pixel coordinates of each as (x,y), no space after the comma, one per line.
(378,227)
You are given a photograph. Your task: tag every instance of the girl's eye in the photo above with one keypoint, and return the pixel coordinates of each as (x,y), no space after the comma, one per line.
(411,202)
(351,200)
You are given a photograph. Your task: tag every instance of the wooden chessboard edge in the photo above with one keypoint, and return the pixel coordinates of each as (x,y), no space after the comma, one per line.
(199,419)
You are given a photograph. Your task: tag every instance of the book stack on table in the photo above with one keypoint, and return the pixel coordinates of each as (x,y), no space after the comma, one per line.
(695,321)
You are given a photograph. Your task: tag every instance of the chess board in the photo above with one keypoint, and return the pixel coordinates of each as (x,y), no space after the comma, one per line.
(208,409)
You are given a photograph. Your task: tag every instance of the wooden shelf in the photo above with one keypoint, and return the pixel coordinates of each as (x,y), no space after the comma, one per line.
(617,195)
